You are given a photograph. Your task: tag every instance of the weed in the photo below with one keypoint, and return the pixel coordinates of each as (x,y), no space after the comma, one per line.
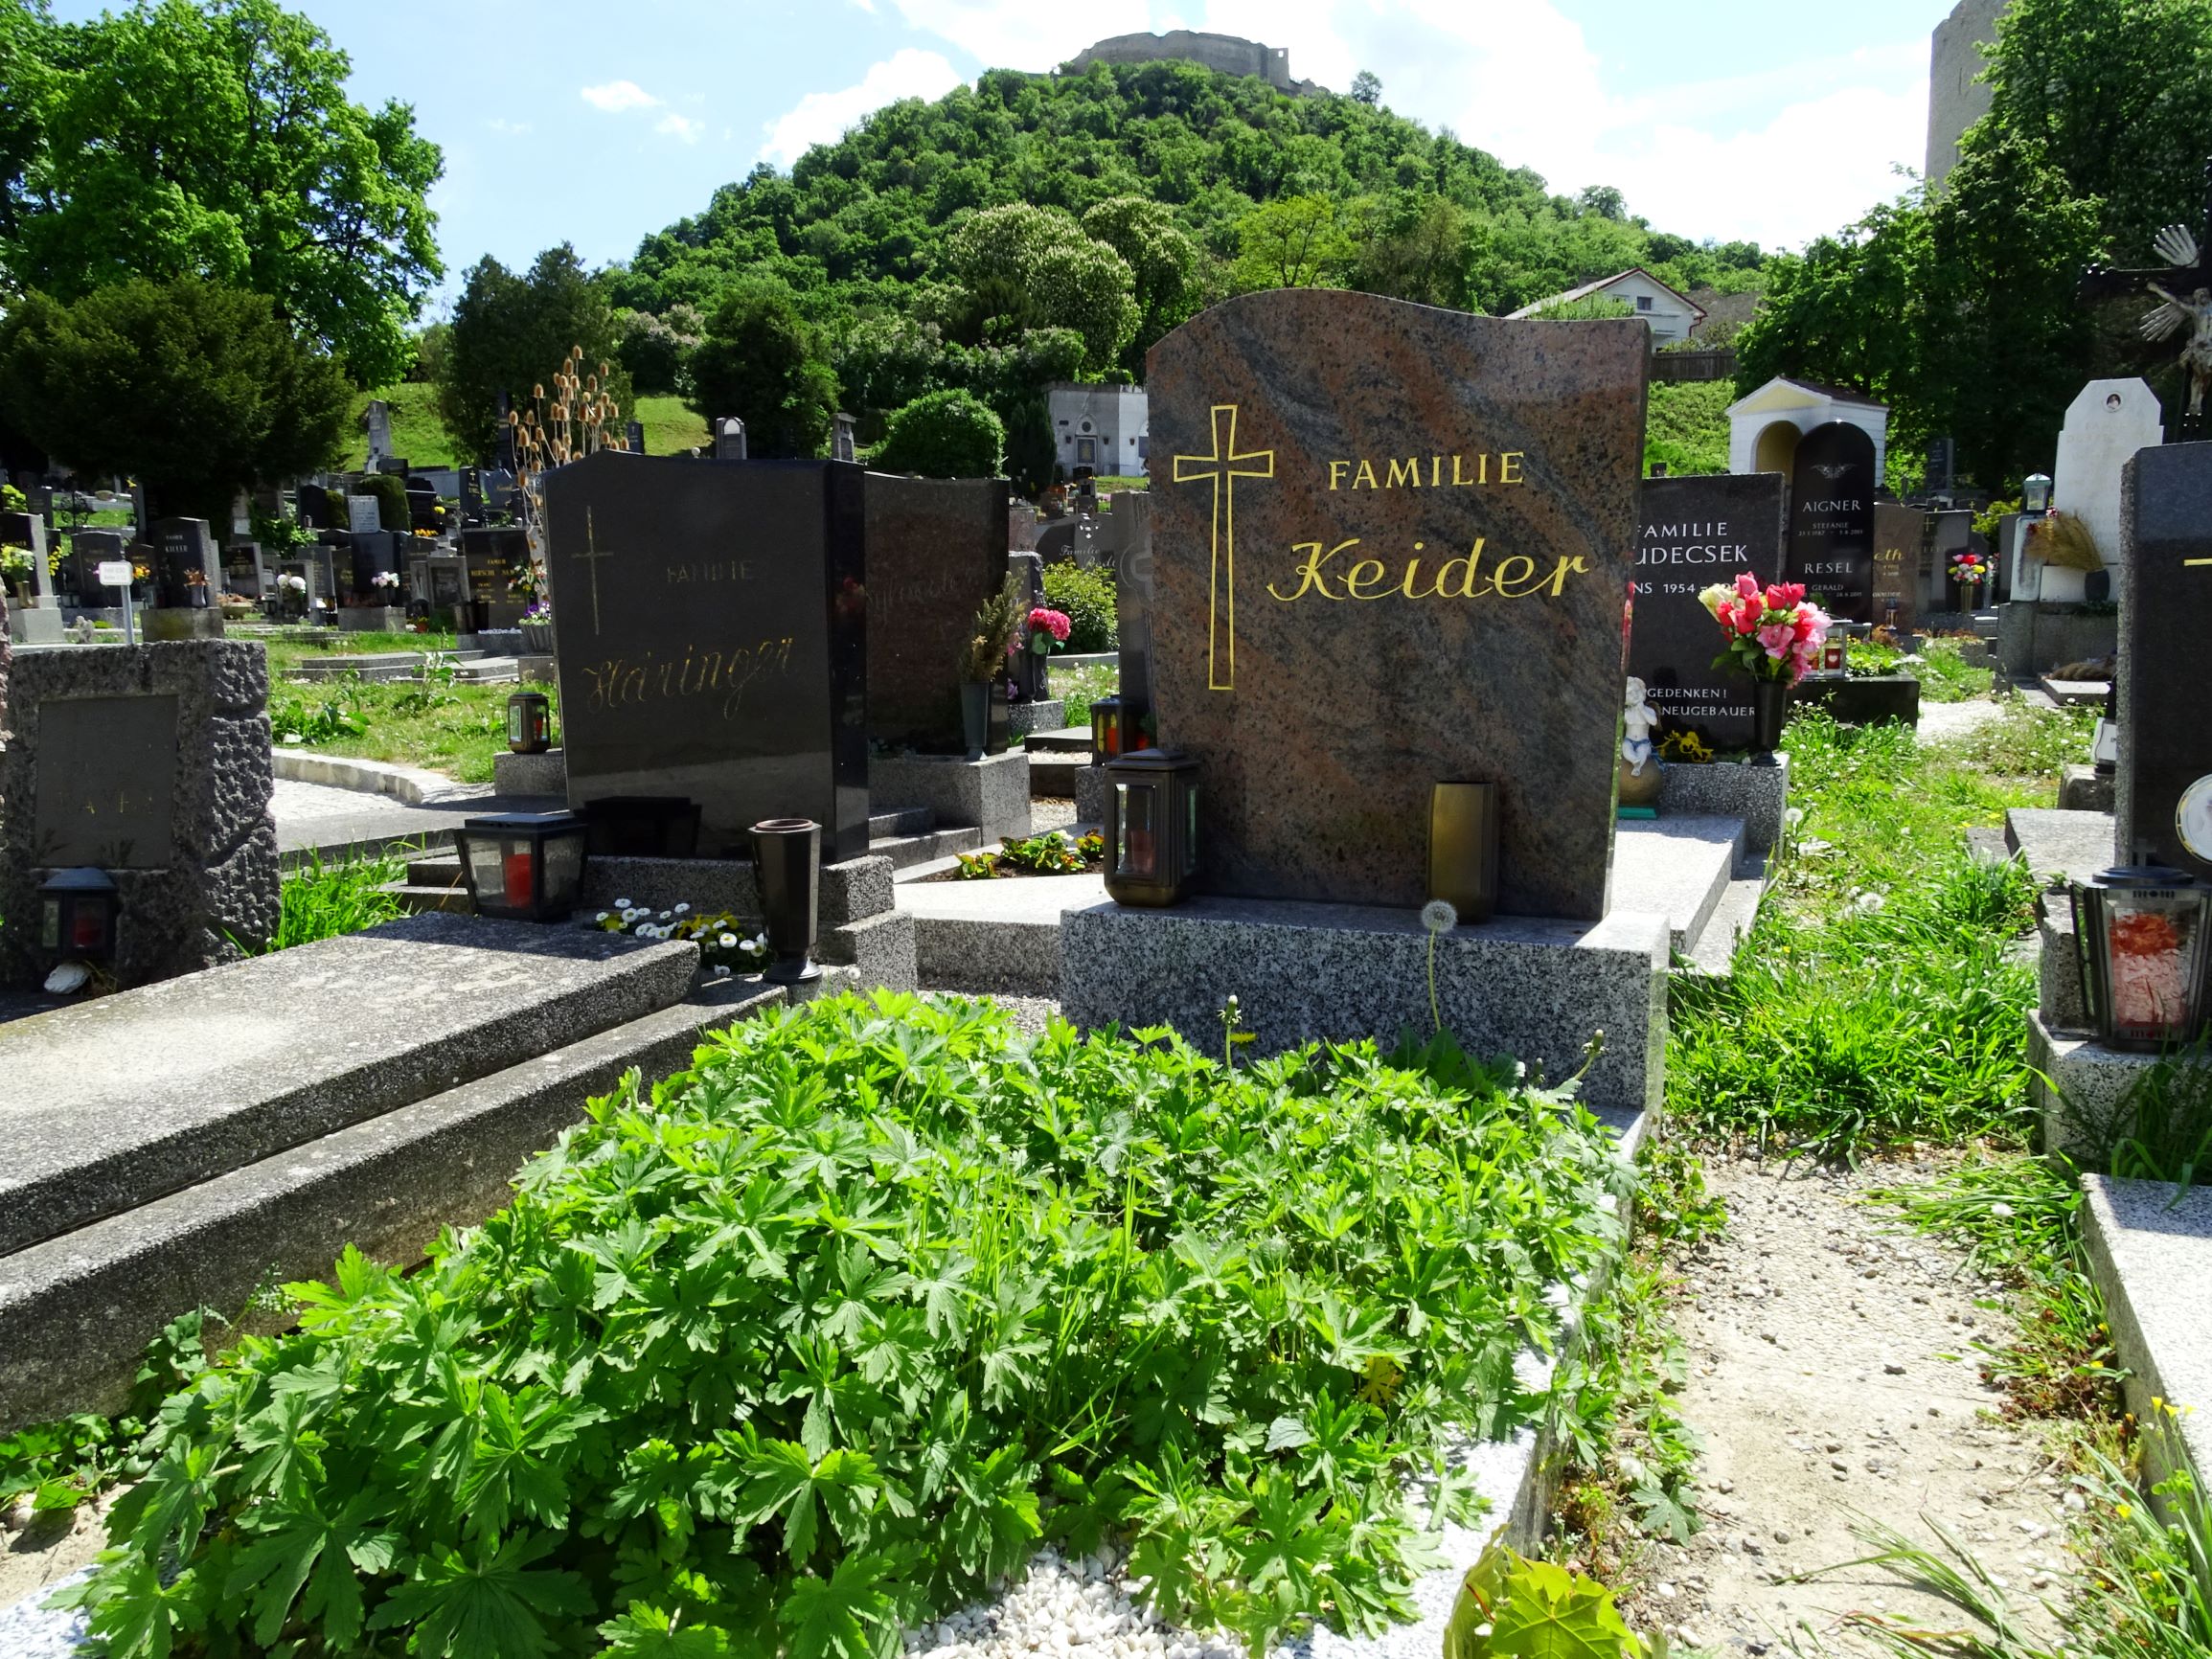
(321,900)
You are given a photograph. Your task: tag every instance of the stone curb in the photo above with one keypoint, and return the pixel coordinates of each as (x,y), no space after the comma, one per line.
(411,785)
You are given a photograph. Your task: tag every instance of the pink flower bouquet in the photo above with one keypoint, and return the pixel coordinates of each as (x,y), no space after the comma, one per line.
(1773,635)
(1048,630)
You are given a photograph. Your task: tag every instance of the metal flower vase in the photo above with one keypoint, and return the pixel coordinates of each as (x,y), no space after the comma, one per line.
(786,864)
(1770,709)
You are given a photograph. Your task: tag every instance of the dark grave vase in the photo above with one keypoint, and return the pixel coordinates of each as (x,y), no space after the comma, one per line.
(1769,707)
(975,717)
(999,718)
(786,865)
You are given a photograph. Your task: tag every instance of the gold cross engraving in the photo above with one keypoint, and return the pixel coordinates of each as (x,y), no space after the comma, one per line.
(1222,468)
(591,555)
(2192,563)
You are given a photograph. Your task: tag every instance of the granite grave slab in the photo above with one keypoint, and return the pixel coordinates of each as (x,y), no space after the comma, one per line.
(711,626)
(933,558)
(2162,784)
(1832,519)
(1390,547)
(1696,531)
(1901,540)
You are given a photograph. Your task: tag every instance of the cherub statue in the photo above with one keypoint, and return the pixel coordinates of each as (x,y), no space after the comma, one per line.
(2190,310)
(1638,723)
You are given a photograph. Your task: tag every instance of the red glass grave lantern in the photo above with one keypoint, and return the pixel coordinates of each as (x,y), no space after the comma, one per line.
(1117,728)
(1151,827)
(523,866)
(529,722)
(2142,932)
(79,910)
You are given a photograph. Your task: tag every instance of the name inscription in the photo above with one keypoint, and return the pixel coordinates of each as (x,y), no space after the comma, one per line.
(627,682)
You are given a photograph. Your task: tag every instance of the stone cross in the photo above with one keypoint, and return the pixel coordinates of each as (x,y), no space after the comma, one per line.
(2178,278)
(1222,468)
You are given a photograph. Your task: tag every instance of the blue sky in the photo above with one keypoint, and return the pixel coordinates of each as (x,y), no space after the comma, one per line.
(598,122)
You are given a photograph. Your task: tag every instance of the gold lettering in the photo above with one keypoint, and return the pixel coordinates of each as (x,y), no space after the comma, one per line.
(1508,465)
(1403,474)
(1311,577)
(1482,471)
(1435,468)
(1336,469)
(1361,575)
(1366,471)
(1412,575)
(1457,461)
(1467,587)
(1505,583)
(1575,564)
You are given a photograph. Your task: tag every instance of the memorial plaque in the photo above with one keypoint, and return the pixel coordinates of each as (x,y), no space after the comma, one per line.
(1831,520)
(933,558)
(1390,545)
(1697,531)
(710,621)
(363,514)
(105,781)
(2162,784)
(1899,538)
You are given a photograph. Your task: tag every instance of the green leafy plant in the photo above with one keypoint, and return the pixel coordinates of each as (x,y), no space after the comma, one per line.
(1087,596)
(310,716)
(948,434)
(326,900)
(828,1332)
(61,1465)
(1511,1607)
(1051,854)
(978,866)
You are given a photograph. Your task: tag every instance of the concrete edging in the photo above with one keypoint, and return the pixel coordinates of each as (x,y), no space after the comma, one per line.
(411,785)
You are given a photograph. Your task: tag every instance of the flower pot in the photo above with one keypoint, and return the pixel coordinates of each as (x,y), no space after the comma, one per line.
(975,717)
(1769,707)
(538,638)
(787,866)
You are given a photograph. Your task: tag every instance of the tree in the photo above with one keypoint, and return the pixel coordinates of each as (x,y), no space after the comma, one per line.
(657,351)
(1367,88)
(199,391)
(509,334)
(1024,268)
(1298,244)
(944,435)
(1415,248)
(1162,260)
(761,362)
(213,139)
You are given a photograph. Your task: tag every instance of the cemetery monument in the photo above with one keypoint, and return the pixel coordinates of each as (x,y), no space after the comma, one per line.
(1696,531)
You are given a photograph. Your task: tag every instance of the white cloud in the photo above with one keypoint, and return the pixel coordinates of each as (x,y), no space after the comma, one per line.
(681,126)
(618,95)
(515,127)
(1526,83)
(824,116)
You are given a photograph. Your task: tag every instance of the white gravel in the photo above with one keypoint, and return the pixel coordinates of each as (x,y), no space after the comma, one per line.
(1064,1606)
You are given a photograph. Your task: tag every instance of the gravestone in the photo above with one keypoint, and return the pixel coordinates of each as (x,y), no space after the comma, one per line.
(933,558)
(1021,528)
(729,439)
(1950,532)
(1134,596)
(377,420)
(1831,520)
(89,551)
(633,435)
(152,762)
(1390,547)
(316,510)
(1900,535)
(365,555)
(1697,531)
(363,514)
(2162,784)
(185,563)
(494,556)
(2108,422)
(472,497)
(1032,679)
(422,505)
(39,622)
(710,622)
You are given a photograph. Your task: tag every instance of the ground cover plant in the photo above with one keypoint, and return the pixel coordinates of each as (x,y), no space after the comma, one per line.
(1880,994)
(832,1330)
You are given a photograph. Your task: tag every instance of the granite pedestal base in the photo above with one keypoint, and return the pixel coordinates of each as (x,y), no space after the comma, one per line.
(2088,1096)
(1863,703)
(1090,795)
(990,794)
(545,774)
(369,619)
(34,628)
(2034,638)
(183,624)
(1045,714)
(2150,1250)
(1535,990)
(2085,789)
(1756,796)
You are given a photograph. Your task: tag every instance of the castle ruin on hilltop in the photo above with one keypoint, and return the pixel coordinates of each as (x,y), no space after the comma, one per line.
(1224,53)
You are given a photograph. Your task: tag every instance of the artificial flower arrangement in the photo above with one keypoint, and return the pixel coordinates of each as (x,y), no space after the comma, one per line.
(385,579)
(1969,569)
(292,583)
(540,612)
(723,944)
(1048,630)
(1774,633)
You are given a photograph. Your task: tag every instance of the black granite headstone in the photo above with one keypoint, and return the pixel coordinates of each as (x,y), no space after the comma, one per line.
(1831,520)
(1692,533)
(316,510)
(185,563)
(2162,786)
(89,551)
(710,621)
(422,505)
(494,556)
(372,552)
(1134,596)
(1900,538)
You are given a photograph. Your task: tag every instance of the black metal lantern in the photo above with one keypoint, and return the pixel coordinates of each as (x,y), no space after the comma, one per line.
(787,867)
(1117,728)
(1151,827)
(79,910)
(529,722)
(523,866)
(2142,931)
(2036,494)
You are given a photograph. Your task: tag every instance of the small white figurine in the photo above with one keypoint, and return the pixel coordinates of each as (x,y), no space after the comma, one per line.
(1637,725)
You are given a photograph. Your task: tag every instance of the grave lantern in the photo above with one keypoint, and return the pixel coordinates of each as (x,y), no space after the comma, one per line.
(2036,494)
(523,866)
(1116,728)
(78,914)
(529,722)
(2142,931)
(1151,827)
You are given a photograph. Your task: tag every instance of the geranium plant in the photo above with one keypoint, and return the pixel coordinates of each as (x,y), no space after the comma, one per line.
(1774,633)
(1048,630)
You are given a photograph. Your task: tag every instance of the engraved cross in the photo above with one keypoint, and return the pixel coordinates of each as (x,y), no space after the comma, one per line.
(591,555)
(1222,468)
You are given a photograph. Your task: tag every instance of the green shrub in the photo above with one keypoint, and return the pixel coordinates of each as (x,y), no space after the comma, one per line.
(390,493)
(944,435)
(1087,597)
(829,1332)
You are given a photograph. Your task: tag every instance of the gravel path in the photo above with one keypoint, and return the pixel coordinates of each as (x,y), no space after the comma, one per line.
(1831,1371)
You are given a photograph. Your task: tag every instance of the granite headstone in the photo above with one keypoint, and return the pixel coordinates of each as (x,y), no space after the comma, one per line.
(710,621)
(1390,548)
(2162,785)
(1697,531)
(1900,539)
(185,564)
(1134,596)
(933,558)
(1831,520)
(89,551)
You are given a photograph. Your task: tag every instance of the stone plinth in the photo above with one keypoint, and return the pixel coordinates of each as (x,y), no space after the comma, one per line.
(2085,789)
(1046,714)
(364,619)
(162,626)
(2034,637)
(1863,701)
(2083,1093)
(545,774)
(990,794)
(151,762)
(1535,989)
(2149,1251)
(1756,795)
